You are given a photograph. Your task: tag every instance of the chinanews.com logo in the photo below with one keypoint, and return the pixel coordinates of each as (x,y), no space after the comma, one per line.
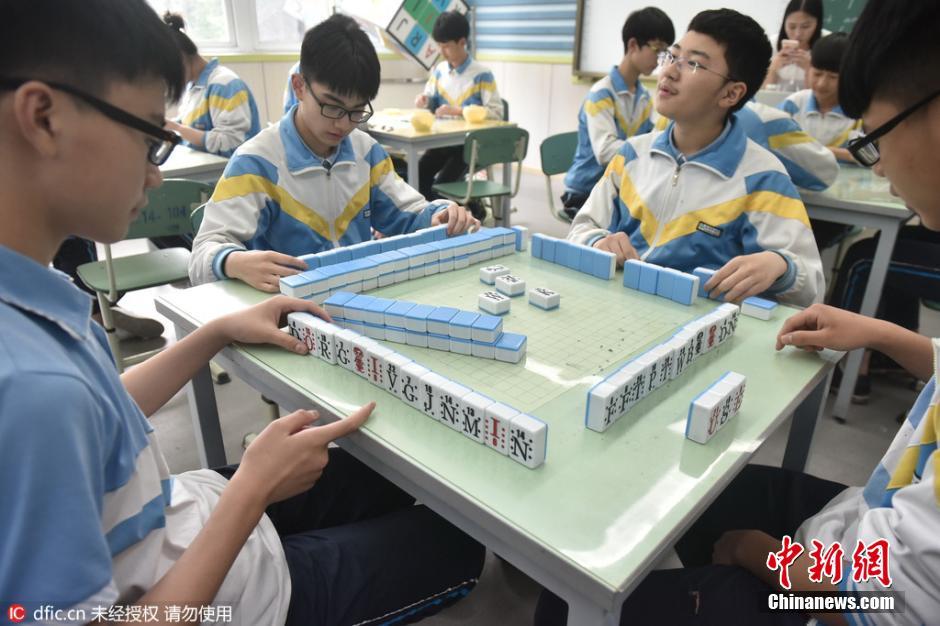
(868,565)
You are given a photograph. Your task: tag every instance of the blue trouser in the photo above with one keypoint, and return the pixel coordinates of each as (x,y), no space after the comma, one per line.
(770,499)
(360,552)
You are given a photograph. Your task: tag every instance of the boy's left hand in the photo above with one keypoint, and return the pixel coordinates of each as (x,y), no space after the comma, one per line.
(446,110)
(457,218)
(746,275)
(262,323)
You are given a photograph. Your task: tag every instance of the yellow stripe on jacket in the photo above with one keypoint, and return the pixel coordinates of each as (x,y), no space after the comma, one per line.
(247,184)
(725,212)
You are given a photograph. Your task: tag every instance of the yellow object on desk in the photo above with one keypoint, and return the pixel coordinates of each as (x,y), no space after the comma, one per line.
(474,113)
(422,120)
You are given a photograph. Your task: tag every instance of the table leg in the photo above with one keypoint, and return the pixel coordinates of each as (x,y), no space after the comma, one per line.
(412,156)
(803,425)
(506,201)
(205,414)
(583,613)
(876,281)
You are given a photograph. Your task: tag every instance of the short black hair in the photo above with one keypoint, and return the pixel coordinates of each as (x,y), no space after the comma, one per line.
(827,53)
(177,26)
(747,49)
(810,7)
(90,44)
(337,53)
(646,25)
(892,54)
(450,26)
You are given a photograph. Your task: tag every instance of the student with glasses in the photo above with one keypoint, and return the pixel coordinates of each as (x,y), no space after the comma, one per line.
(700,193)
(617,106)
(299,532)
(313,181)
(913,272)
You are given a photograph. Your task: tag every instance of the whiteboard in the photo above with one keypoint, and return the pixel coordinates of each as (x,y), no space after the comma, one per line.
(597,39)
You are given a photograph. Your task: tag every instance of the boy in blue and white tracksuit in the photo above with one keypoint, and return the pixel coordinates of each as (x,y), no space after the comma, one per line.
(276,194)
(732,198)
(456,82)
(220,104)
(817,109)
(467,84)
(610,114)
(832,128)
(617,106)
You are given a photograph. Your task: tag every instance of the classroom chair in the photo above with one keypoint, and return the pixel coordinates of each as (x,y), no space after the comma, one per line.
(557,154)
(505,110)
(167,213)
(482,149)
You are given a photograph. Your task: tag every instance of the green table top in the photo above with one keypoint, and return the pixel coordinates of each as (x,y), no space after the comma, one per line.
(607,504)
(860,187)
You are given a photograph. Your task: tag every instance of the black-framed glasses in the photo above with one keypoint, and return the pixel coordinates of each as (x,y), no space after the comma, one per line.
(336,112)
(667,57)
(865,148)
(163,140)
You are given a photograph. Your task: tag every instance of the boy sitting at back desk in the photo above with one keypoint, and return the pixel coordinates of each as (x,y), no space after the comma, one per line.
(313,181)
(617,106)
(701,193)
(817,109)
(818,112)
(457,82)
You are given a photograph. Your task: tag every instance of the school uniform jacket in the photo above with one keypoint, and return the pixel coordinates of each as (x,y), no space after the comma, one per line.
(833,129)
(899,504)
(220,103)
(275,194)
(468,83)
(610,113)
(809,163)
(731,198)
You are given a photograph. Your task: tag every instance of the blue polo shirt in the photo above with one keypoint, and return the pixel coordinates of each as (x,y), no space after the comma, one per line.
(84,485)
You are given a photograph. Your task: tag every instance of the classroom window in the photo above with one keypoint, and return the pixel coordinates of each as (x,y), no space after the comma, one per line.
(282,23)
(208,22)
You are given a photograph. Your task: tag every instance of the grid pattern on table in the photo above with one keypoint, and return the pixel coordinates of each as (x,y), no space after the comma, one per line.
(599,324)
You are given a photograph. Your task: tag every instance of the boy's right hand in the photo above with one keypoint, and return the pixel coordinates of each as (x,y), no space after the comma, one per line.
(823,326)
(421,101)
(619,244)
(289,455)
(262,269)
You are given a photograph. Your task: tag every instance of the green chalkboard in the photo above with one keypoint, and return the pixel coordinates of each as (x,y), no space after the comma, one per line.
(840,15)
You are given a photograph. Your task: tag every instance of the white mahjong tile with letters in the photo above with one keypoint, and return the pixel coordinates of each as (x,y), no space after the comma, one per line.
(496,426)
(528,440)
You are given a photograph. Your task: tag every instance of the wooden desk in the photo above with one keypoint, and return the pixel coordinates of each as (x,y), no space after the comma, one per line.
(392,128)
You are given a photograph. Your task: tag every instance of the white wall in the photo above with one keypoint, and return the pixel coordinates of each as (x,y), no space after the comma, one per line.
(543,98)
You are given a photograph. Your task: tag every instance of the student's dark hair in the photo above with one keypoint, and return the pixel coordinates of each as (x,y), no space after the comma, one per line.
(177,26)
(827,53)
(337,53)
(893,54)
(810,7)
(90,44)
(450,26)
(747,49)
(646,25)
